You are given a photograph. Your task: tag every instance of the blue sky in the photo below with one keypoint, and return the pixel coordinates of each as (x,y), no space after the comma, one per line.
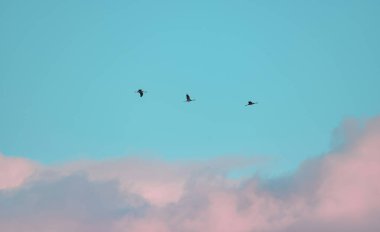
(69,69)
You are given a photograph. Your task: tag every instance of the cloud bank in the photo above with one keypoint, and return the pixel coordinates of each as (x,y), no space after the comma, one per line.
(339,191)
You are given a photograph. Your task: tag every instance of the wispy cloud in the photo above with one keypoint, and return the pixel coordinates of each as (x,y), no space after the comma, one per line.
(338,191)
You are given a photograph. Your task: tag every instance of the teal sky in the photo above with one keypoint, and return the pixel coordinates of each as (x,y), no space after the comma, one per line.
(69,69)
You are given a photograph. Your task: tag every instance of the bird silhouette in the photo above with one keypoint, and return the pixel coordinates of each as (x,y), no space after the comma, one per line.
(141,92)
(188,99)
(251,103)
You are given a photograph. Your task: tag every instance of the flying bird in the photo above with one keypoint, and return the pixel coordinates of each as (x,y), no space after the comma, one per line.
(251,103)
(141,92)
(188,99)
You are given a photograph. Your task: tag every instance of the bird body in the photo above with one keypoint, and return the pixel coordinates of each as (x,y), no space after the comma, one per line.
(251,103)
(141,92)
(188,98)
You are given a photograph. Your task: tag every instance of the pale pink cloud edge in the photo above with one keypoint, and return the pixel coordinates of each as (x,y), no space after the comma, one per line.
(14,171)
(339,191)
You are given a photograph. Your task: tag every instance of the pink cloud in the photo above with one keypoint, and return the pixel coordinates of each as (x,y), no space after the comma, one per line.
(14,171)
(158,182)
(335,192)
(350,186)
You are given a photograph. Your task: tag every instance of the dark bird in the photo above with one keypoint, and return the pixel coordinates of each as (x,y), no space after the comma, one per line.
(141,92)
(188,99)
(251,103)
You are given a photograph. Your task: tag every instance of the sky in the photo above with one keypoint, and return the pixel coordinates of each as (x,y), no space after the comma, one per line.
(81,151)
(69,72)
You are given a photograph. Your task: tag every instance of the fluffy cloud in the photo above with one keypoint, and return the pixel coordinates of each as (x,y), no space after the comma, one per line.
(338,191)
(14,171)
